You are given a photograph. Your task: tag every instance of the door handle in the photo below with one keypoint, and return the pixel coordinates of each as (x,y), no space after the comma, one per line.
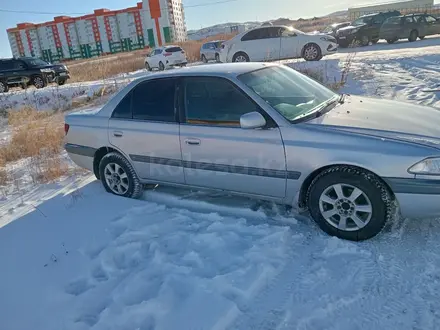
(118,133)
(192,142)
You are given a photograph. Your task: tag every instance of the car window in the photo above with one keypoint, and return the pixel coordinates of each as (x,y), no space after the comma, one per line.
(158,51)
(173,49)
(378,19)
(36,62)
(6,65)
(253,35)
(430,19)
(393,21)
(362,21)
(123,109)
(215,101)
(409,19)
(19,65)
(154,100)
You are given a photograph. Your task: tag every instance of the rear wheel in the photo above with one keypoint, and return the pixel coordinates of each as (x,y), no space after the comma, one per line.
(365,41)
(161,66)
(349,203)
(312,52)
(118,176)
(38,82)
(147,66)
(413,36)
(3,87)
(240,57)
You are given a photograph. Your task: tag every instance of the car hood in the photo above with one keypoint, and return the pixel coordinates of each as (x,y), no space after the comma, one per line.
(351,27)
(386,119)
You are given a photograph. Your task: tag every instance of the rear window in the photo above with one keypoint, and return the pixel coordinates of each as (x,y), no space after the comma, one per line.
(173,49)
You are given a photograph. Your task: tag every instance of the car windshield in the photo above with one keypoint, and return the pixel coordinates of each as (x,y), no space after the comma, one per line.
(289,92)
(36,62)
(362,21)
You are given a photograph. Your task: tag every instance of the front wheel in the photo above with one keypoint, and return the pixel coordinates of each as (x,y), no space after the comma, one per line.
(38,82)
(312,52)
(349,203)
(161,66)
(61,82)
(147,66)
(118,176)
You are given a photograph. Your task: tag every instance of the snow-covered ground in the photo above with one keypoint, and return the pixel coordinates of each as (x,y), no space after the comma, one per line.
(75,257)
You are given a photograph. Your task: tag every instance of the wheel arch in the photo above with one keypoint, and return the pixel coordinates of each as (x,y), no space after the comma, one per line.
(302,198)
(101,152)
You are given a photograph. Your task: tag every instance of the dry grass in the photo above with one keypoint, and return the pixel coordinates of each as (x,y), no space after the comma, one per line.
(108,66)
(37,137)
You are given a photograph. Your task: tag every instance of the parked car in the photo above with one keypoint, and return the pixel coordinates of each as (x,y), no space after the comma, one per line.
(210,51)
(25,71)
(165,57)
(364,30)
(266,131)
(266,43)
(409,27)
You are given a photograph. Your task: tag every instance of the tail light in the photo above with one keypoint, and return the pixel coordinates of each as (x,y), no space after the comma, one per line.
(167,54)
(66,128)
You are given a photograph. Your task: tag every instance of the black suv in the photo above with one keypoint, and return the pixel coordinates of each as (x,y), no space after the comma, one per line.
(364,30)
(25,71)
(409,27)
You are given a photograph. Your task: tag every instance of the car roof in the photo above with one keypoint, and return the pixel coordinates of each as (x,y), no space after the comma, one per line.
(211,70)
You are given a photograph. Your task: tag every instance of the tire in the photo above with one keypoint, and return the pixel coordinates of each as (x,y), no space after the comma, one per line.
(61,82)
(130,186)
(413,36)
(4,88)
(38,82)
(204,60)
(422,37)
(161,66)
(217,58)
(391,41)
(375,198)
(147,66)
(240,57)
(364,41)
(312,52)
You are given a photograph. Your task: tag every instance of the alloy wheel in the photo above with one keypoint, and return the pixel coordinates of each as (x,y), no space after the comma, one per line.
(345,207)
(38,82)
(311,53)
(240,58)
(116,178)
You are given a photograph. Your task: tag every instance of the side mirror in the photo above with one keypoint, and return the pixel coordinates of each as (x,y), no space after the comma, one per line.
(252,120)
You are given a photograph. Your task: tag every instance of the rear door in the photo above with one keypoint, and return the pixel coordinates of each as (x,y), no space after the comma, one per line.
(409,24)
(391,29)
(433,25)
(144,127)
(13,71)
(262,44)
(217,152)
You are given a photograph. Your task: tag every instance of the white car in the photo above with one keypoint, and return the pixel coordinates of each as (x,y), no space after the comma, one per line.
(268,43)
(165,57)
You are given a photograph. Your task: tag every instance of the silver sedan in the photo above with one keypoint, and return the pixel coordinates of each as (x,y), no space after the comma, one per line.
(266,131)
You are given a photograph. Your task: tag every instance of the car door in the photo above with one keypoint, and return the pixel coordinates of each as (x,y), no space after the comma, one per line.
(262,44)
(13,71)
(432,25)
(217,152)
(144,127)
(391,28)
(155,58)
(290,44)
(373,30)
(210,51)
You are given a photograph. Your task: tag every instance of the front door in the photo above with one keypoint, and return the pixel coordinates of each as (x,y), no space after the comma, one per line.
(433,25)
(262,44)
(216,152)
(144,127)
(290,44)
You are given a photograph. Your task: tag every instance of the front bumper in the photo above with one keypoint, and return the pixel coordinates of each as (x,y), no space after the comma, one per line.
(417,198)
(62,75)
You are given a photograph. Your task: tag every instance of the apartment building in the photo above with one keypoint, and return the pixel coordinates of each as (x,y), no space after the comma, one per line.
(150,23)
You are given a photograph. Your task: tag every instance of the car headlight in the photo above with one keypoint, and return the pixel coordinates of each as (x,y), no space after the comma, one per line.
(328,39)
(46,70)
(428,166)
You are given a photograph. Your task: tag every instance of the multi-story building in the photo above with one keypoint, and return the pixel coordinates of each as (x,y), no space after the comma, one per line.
(151,23)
